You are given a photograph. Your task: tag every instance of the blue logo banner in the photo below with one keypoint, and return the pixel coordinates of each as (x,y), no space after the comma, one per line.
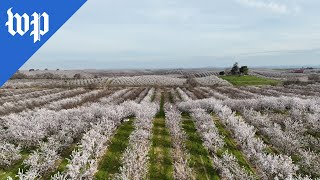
(25,25)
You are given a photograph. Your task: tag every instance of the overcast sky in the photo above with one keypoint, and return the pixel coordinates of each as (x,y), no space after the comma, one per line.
(107,34)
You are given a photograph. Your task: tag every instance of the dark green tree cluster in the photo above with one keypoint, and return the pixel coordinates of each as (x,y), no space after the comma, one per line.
(243,70)
(235,69)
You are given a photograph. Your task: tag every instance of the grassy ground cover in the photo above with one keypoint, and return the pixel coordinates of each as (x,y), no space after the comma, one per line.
(111,161)
(63,162)
(161,113)
(13,170)
(199,156)
(231,146)
(161,163)
(249,80)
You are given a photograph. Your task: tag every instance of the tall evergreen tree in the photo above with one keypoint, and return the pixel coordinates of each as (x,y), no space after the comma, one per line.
(235,69)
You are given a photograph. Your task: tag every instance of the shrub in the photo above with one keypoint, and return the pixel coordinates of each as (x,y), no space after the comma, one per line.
(314,77)
(19,75)
(244,70)
(77,76)
(93,86)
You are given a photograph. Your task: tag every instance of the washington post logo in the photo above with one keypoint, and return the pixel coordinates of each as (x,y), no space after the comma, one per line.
(17,24)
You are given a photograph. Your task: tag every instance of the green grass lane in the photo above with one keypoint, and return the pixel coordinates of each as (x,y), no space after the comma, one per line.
(111,161)
(231,146)
(200,160)
(161,162)
(161,113)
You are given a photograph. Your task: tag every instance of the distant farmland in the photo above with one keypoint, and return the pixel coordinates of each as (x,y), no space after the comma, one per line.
(161,125)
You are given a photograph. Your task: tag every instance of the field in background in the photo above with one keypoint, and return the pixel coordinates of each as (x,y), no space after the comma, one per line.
(250,80)
(166,124)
